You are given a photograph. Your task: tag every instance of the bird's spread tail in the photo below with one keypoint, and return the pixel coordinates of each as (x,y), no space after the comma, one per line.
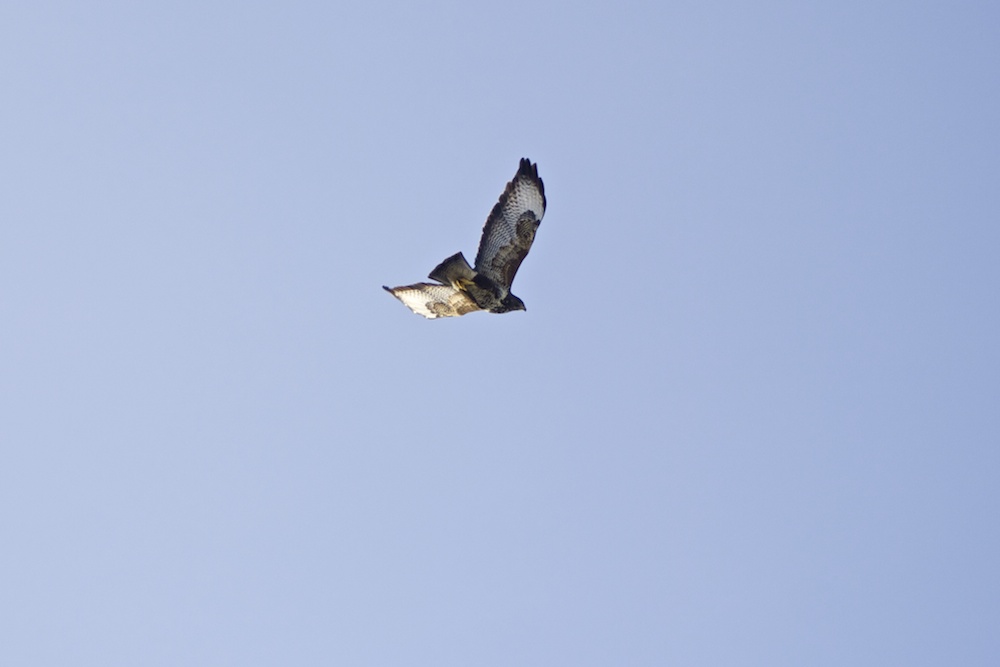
(453,271)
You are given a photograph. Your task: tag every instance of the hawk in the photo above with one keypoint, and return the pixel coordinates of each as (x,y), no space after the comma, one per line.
(507,237)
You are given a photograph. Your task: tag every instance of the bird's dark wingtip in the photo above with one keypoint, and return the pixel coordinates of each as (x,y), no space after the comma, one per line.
(530,171)
(387,289)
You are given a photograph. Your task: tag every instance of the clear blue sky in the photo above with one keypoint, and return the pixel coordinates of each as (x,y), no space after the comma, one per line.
(750,417)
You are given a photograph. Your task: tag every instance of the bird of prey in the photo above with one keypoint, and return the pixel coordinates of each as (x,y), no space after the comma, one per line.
(507,236)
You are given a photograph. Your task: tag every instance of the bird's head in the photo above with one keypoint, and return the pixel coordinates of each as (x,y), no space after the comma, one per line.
(509,303)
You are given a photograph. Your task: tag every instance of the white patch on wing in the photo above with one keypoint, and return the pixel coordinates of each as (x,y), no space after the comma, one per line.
(415,300)
(433,301)
(527,197)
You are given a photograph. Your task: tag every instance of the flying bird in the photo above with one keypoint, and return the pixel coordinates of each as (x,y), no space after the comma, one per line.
(507,237)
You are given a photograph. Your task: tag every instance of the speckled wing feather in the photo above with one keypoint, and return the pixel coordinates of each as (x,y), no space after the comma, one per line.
(510,229)
(432,300)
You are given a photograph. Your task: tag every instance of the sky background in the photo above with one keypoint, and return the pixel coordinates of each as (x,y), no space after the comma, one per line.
(750,417)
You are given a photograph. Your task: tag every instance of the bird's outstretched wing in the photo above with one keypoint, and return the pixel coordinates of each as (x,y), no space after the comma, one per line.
(510,229)
(432,300)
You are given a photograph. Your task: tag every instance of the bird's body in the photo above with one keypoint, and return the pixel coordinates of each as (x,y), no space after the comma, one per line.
(507,237)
